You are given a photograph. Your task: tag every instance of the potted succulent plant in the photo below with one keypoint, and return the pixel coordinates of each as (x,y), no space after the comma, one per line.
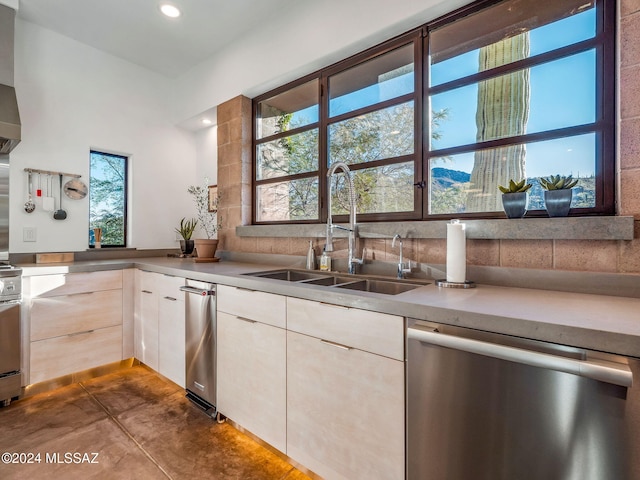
(558,194)
(205,247)
(185,230)
(514,198)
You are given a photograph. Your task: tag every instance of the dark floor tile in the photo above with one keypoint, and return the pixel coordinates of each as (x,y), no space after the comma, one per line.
(127,389)
(38,419)
(188,443)
(117,457)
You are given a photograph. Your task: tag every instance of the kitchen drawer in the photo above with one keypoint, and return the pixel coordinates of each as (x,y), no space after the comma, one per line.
(59,356)
(253,305)
(373,332)
(169,286)
(57,316)
(70,283)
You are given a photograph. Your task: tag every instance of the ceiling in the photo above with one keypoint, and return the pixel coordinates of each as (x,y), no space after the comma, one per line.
(136,31)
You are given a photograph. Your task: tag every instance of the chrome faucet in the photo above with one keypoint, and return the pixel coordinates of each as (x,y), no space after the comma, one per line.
(353,232)
(402,270)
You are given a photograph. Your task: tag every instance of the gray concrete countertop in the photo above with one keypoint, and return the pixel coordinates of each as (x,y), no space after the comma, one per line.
(598,322)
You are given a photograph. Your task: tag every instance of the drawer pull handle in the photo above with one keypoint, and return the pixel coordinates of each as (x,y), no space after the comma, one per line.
(80,333)
(173,299)
(146,291)
(81,293)
(337,345)
(248,320)
(335,306)
(244,289)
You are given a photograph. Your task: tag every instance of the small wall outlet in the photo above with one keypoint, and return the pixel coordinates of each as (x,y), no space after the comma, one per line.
(29,234)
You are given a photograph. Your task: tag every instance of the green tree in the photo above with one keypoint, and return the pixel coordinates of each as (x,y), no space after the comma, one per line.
(107,197)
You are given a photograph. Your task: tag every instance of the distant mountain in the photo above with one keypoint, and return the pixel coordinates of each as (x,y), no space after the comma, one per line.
(443,178)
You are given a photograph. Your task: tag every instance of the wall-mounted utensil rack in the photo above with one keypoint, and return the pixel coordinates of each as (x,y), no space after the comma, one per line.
(51,172)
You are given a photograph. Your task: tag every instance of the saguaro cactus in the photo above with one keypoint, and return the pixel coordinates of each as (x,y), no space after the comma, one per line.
(502,111)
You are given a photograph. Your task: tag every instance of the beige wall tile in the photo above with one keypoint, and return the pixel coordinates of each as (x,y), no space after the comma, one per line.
(630,192)
(232,108)
(629,45)
(223,134)
(432,250)
(586,255)
(628,7)
(483,252)
(630,92)
(229,154)
(376,249)
(630,143)
(526,253)
(629,253)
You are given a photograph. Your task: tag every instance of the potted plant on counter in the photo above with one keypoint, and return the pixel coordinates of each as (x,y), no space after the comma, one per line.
(186,230)
(205,247)
(558,194)
(514,198)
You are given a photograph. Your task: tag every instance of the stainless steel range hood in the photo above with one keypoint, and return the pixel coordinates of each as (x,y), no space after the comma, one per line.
(10,129)
(9,119)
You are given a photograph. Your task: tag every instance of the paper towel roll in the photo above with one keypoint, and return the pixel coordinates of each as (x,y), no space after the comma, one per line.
(456,252)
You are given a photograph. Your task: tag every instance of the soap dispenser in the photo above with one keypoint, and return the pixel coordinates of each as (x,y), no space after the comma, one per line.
(311,257)
(325,261)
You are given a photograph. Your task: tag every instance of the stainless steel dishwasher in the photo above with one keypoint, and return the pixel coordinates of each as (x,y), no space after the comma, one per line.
(491,407)
(200,332)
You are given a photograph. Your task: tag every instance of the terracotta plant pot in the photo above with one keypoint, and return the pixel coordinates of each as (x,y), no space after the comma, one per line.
(206,247)
(514,204)
(558,202)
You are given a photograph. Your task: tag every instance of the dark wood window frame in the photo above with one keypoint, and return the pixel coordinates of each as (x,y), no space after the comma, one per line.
(603,127)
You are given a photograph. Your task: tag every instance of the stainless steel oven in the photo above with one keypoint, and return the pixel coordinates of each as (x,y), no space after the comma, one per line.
(10,338)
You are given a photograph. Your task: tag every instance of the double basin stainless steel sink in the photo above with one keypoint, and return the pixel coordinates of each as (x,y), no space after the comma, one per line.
(340,280)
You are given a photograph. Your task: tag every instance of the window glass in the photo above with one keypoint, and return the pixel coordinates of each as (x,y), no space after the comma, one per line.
(385,77)
(377,135)
(553,95)
(546,26)
(291,109)
(287,155)
(287,201)
(454,187)
(107,198)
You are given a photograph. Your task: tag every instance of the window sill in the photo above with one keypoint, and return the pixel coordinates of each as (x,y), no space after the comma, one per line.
(566,228)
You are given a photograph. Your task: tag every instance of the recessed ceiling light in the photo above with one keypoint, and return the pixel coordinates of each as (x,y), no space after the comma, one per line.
(206,121)
(170,10)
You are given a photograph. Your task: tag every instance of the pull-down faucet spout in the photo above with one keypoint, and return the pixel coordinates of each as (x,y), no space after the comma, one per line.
(352,261)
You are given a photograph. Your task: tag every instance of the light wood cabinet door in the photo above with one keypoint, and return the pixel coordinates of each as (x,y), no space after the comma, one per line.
(147,325)
(70,283)
(253,305)
(57,316)
(252,377)
(67,354)
(171,339)
(345,410)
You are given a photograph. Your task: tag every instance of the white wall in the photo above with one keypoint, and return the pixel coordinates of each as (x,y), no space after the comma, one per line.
(303,39)
(73,98)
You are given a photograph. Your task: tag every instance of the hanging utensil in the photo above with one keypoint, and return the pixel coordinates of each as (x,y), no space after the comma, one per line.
(60,214)
(48,203)
(75,189)
(39,189)
(29,206)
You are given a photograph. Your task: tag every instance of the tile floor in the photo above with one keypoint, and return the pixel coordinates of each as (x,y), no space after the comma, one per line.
(140,425)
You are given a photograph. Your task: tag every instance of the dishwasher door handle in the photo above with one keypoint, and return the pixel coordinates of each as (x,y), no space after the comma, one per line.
(197,291)
(617,374)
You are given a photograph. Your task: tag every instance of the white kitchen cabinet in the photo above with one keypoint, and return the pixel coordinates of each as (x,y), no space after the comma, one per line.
(171,329)
(75,323)
(160,324)
(345,405)
(252,362)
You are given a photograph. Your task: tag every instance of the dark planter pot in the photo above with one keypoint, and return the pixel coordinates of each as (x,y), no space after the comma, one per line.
(558,202)
(186,246)
(514,204)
